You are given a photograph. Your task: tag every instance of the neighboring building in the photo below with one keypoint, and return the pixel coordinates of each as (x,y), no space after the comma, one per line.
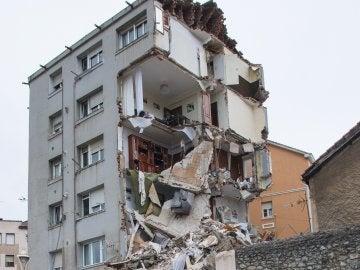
(283,208)
(139,92)
(13,241)
(334,182)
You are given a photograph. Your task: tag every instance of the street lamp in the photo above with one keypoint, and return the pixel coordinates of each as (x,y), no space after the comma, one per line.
(24,259)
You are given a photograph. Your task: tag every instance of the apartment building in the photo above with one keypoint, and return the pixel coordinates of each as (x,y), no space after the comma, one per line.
(157,90)
(283,209)
(13,241)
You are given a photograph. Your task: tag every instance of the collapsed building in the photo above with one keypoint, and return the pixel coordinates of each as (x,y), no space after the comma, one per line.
(154,133)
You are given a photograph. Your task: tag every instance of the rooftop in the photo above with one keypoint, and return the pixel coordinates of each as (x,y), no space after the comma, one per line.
(338,146)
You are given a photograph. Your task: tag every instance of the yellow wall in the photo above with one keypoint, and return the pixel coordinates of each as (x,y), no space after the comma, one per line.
(287,194)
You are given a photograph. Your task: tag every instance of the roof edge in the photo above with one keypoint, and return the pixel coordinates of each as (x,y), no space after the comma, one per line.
(86,38)
(339,145)
(307,155)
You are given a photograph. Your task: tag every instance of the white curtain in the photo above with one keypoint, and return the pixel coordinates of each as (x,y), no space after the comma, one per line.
(128,100)
(139,91)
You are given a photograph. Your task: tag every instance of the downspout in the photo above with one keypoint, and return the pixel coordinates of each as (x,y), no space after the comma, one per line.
(308,202)
(74,182)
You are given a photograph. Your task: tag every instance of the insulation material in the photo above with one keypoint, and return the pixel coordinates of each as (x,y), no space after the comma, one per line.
(191,172)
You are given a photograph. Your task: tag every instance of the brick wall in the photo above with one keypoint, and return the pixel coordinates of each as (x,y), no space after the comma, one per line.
(336,249)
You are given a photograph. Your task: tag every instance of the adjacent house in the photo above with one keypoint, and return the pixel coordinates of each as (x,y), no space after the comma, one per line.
(282,210)
(13,241)
(152,120)
(334,182)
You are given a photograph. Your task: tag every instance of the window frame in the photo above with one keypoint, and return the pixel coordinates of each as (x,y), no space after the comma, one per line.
(87,153)
(12,263)
(56,123)
(87,60)
(56,163)
(88,207)
(6,239)
(133,29)
(85,108)
(56,214)
(267,209)
(90,250)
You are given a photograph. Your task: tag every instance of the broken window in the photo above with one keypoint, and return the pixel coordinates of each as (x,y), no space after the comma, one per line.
(267,209)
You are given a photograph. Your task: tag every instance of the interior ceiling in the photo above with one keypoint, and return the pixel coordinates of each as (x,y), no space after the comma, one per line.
(156,72)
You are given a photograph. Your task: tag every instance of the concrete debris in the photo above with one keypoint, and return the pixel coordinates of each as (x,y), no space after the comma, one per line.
(195,250)
(187,216)
(191,172)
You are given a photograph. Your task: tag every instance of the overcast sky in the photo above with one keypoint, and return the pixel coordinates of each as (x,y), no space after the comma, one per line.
(310,51)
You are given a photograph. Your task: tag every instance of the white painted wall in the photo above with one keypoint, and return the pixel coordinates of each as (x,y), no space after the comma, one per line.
(247,120)
(229,66)
(184,48)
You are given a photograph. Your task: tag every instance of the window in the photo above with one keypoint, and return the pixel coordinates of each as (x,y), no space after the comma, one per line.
(9,261)
(134,32)
(56,168)
(10,239)
(91,60)
(56,260)
(92,202)
(56,123)
(94,252)
(55,214)
(91,153)
(267,209)
(0,238)
(90,104)
(56,83)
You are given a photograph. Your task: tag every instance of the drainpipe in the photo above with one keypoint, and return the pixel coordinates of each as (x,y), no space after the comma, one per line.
(308,201)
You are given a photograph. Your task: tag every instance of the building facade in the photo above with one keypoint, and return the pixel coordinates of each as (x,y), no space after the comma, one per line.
(283,209)
(334,182)
(150,92)
(13,241)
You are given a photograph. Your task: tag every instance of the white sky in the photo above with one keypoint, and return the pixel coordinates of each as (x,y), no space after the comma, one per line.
(309,49)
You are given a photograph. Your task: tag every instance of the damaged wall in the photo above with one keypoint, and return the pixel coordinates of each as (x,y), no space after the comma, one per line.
(245,119)
(192,56)
(323,250)
(228,67)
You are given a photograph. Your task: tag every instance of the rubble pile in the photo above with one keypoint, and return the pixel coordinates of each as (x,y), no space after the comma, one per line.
(194,250)
(186,214)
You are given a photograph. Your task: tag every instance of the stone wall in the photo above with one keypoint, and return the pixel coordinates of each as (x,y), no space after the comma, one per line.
(335,189)
(336,249)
